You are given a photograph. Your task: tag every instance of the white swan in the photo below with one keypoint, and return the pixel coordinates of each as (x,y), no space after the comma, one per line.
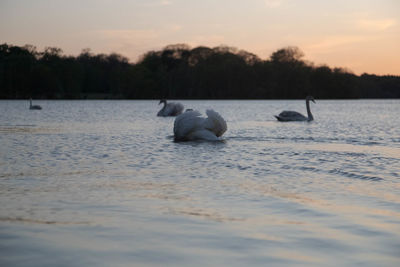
(296,116)
(37,107)
(191,126)
(170,109)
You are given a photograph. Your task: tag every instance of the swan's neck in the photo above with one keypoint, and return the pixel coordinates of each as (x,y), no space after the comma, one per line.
(30,103)
(310,116)
(165,104)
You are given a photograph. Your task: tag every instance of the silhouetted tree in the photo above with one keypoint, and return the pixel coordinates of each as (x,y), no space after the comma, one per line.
(289,54)
(179,71)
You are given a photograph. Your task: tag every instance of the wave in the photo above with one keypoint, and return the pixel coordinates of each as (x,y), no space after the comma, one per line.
(331,140)
(355,175)
(37,221)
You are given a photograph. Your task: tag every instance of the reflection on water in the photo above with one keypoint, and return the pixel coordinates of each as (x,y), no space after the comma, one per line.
(103,183)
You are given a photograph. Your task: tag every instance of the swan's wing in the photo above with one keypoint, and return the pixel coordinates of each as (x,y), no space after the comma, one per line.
(169,109)
(290,116)
(177,109)
(287,113)
(215,123)
(172,109)
(186,123)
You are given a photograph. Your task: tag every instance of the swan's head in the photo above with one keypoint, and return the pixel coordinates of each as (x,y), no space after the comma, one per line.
(310,98)
(162,101)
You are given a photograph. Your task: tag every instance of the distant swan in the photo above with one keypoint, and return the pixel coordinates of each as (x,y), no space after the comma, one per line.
(37,107)
(170,109)
(191,126)
(295,116)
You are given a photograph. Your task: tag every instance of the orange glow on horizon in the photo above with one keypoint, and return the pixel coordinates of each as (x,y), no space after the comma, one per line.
(363,38)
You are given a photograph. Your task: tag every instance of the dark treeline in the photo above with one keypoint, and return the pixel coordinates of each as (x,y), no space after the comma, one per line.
(178,71)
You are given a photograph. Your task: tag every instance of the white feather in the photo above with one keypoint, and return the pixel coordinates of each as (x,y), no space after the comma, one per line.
(215,123)
(191,126)
(186,123)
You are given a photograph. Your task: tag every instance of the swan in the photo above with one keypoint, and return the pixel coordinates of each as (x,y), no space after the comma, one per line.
(296,116)
(37,107)
(170,109)
(191,126)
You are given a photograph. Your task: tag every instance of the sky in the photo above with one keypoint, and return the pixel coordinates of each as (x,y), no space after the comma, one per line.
(362,36)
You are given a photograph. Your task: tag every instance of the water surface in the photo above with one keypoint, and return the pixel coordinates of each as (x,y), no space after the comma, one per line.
(102,183)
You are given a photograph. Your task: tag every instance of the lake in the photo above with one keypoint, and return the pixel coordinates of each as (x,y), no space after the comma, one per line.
(102,183)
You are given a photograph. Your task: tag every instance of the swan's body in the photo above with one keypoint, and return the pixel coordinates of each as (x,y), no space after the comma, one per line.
(170,109)
(191,126)
(296,116)
(37,107)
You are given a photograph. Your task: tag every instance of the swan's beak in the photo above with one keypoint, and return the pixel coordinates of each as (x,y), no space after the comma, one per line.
(160,102)
(313,100)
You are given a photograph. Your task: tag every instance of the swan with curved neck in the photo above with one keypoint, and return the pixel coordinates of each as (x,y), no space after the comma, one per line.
(170,109)
(37,107)
(296,116)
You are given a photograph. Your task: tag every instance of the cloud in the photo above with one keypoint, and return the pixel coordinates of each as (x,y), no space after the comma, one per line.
(127,35)
(158,3)
(209,40)
(165,3)
(129,42)
(334,42)
(273,3)
(375,24)
(136,37)
(173,27)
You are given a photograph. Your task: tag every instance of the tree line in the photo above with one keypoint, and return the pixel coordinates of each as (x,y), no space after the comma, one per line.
(180,72)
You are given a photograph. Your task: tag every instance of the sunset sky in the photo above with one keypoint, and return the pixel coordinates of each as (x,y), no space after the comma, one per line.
(360,35)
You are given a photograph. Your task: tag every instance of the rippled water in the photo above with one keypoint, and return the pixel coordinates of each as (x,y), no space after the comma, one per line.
(102,183)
